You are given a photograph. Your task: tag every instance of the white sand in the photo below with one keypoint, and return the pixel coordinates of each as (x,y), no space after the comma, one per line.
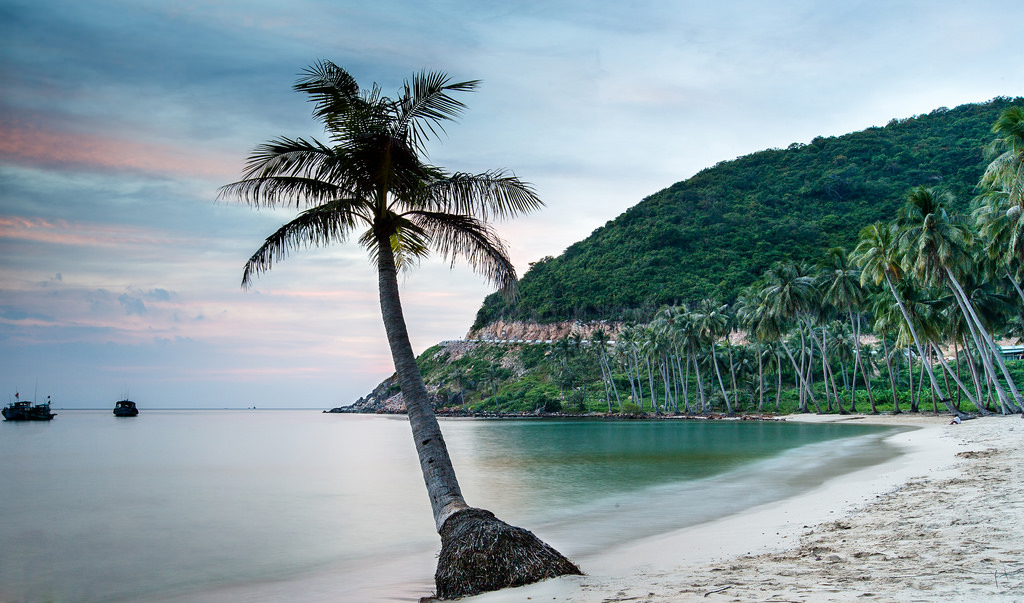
(942,522)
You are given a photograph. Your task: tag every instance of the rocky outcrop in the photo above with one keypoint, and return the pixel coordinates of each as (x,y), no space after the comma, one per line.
(386,398)
(532,331)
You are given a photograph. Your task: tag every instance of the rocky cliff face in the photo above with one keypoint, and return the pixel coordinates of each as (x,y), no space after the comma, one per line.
(386,398)
(532,331)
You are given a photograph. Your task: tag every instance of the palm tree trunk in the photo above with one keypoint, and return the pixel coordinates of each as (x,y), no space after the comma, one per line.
(778,383)
(892,379)
(956,379)
(629,374)
(920,385)
(663,369)
(826,369)
(721,384)
(700,379)
(639,379)
(945,378)
(956,360)
(438,473)
(857,362)
(611,379)
(732,378)
(804,383)
(681,362)
(479,552)
(1013,281)
(972,368)
(824,372)
(604,381)
(650,382)
(760,379)
(920,352)
(800,376)
(996,350)
(829,373)
(976,334)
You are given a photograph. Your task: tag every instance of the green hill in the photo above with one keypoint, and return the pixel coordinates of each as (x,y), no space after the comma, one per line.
(716,232)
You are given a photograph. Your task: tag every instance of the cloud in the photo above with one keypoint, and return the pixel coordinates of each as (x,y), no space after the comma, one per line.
(19,315)
(63,232)
(35,146)
(131,305)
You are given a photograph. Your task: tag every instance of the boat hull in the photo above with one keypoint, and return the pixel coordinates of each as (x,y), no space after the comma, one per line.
(125,408)
(25,411)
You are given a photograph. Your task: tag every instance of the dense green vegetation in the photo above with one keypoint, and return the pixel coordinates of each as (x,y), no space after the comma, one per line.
(542,379)
(717,232)
(908,319)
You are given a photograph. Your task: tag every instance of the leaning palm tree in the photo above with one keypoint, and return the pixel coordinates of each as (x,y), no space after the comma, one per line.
(878,255)
(935,249)
(371,183)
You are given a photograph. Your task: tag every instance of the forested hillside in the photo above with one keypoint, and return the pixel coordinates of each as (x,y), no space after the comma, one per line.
(718,231)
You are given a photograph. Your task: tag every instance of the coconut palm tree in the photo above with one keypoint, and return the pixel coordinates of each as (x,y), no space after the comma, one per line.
(839,283)
(999,212)
(712,322)
(1006,169)
(755,316)
(601,340)
(371,183)
(791,296)
(627,349)
(878,255)
(935,247)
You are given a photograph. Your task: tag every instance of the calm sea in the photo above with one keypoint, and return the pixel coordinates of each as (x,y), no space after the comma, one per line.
(304,506)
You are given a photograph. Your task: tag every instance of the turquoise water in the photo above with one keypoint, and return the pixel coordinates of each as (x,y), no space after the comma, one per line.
(300,505)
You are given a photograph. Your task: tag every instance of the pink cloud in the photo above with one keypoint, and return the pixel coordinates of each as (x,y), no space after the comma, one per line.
(37,147)
(62,232)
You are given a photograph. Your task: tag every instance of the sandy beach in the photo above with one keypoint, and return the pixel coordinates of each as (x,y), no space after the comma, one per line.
(940,522)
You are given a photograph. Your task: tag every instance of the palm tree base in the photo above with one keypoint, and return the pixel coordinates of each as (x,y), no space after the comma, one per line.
(480,553)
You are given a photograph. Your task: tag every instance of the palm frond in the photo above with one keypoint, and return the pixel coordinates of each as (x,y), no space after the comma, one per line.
(496,194)
(316,227)
(425,104)
(333,90)
(463,237)
(286,171)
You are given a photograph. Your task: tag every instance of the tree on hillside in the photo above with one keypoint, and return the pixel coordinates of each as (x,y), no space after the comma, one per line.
(371,182)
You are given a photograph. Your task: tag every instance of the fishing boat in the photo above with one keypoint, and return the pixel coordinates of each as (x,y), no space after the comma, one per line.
(23,410)
(125,408)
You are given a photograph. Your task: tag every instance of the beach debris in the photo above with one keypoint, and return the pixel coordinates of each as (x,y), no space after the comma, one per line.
(718,590)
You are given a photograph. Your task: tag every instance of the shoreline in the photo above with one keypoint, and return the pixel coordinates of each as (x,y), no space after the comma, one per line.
(920,526)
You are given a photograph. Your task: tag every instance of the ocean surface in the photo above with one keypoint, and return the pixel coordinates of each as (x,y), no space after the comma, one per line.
(265,505)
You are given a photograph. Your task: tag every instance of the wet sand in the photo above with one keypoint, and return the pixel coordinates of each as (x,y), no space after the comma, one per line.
(942,522)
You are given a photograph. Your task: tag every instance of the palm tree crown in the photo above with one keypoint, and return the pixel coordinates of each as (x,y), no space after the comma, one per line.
(372,180)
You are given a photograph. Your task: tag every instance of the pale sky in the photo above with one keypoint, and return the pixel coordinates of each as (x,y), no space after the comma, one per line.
(119,120)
